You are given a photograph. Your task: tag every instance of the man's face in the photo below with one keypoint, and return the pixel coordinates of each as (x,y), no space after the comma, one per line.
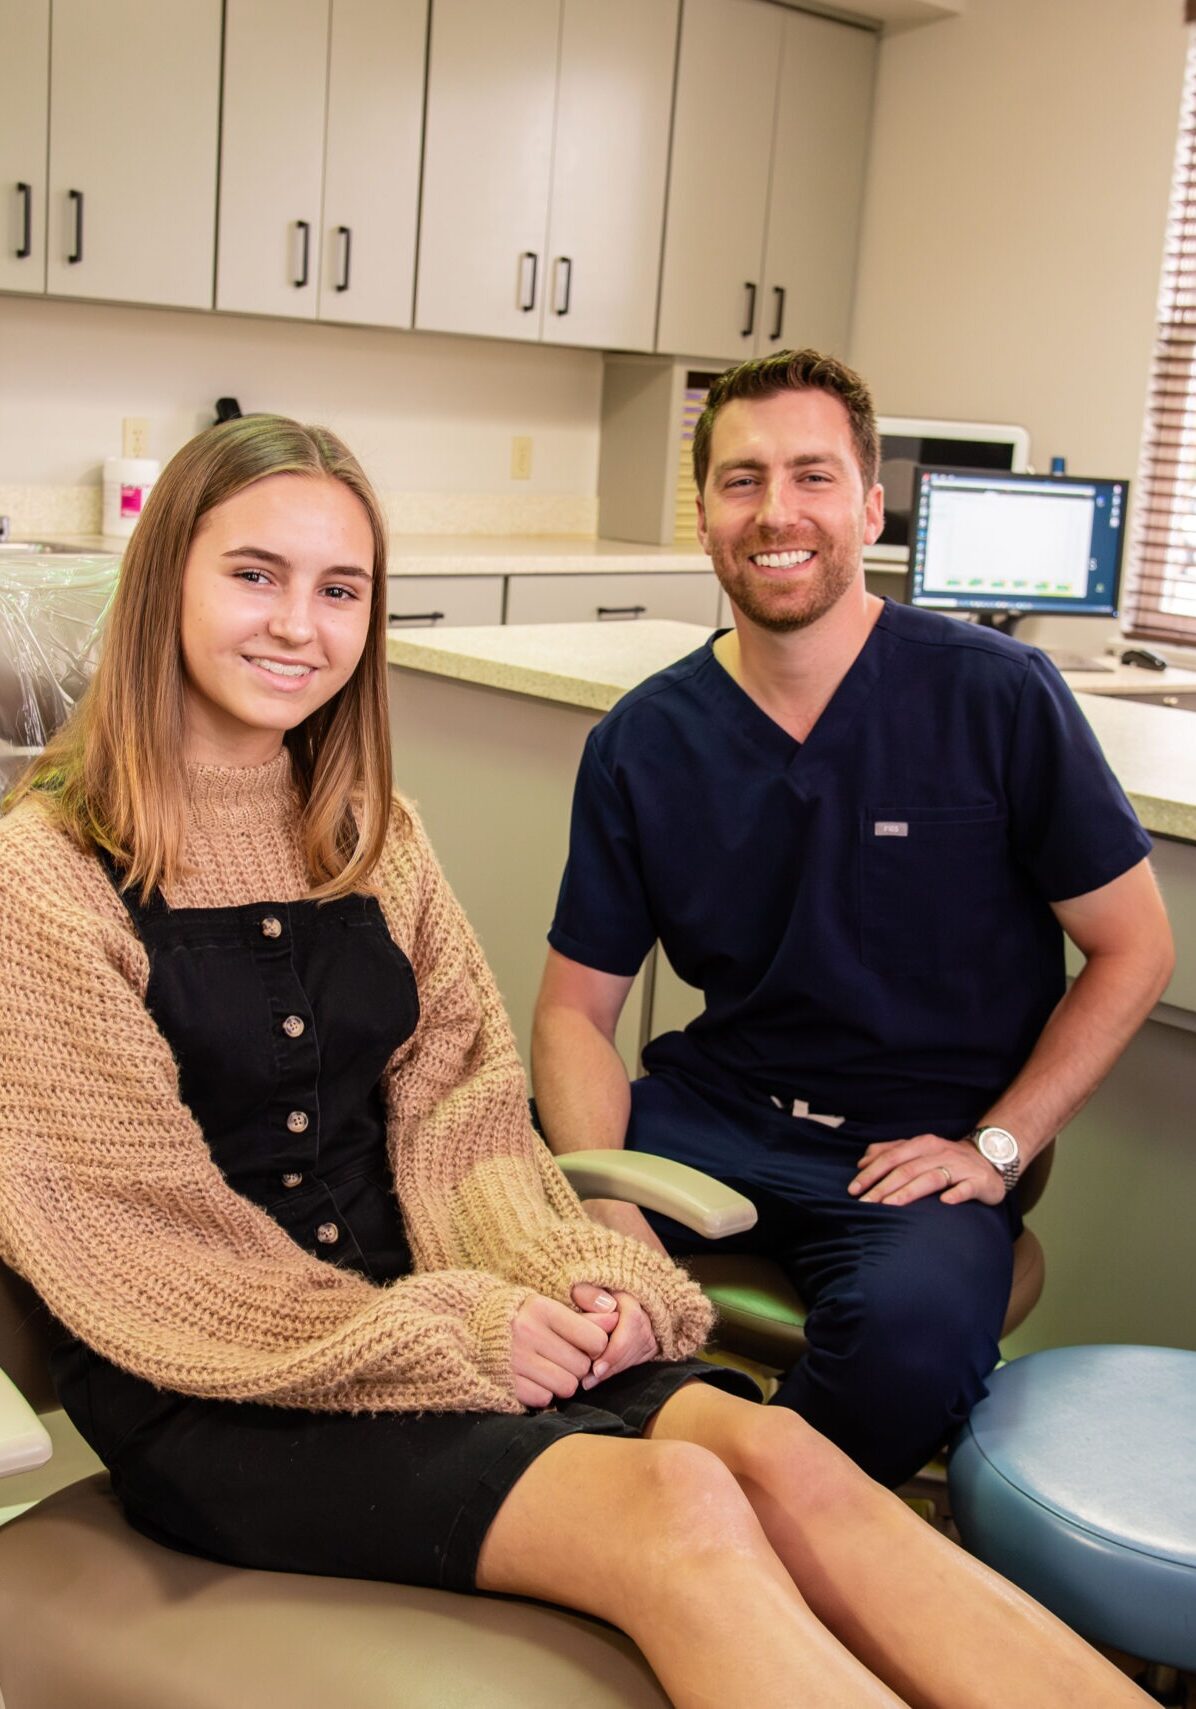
(784,514)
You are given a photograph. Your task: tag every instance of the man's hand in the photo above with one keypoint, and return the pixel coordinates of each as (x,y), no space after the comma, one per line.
(624,1219)
(632,1341)
(898,1171)
(553,1348)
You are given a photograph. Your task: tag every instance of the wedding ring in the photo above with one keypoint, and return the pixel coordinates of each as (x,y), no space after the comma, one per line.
(947,1175)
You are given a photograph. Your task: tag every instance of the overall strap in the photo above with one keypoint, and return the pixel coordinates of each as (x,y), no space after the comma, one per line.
(139,912)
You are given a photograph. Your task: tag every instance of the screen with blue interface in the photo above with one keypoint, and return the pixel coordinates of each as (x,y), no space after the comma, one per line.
(996,542)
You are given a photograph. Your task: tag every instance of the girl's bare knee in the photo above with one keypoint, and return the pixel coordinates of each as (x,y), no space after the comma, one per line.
(688,1504)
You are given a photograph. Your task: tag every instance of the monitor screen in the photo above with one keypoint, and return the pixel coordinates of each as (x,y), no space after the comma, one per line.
(993,543)
(906,441)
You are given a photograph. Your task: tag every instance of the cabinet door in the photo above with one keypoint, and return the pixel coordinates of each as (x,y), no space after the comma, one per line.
(612,597)
(272,156)
(134,115)
(487,156)
(824,111)
(371,161)
(24,122)
(711,290)
(435,602)
(610,161)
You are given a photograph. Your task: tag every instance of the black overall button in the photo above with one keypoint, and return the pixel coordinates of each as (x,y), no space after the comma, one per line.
(328,1234)
(292,1178)
(297,1121)
(271,926)
(294,1026)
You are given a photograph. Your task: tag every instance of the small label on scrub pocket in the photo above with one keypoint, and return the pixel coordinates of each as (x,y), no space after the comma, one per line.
(890,828)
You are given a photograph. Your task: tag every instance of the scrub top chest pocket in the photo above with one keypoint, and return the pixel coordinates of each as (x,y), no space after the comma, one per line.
(934,883)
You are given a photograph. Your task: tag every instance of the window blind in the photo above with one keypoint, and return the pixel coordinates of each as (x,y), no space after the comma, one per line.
(1160,599)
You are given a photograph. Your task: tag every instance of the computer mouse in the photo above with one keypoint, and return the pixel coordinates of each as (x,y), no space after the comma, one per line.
(1143,657)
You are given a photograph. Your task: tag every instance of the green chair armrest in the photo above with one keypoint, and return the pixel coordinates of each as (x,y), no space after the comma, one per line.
(658,1184)
(24,1442)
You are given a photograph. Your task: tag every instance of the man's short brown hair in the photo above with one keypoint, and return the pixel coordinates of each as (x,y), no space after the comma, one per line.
(793,371)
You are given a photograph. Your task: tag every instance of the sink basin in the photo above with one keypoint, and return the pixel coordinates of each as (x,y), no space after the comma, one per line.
(15,546)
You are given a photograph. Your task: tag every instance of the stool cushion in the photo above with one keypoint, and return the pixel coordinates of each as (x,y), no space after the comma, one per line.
(1074,1478)
(92,1613)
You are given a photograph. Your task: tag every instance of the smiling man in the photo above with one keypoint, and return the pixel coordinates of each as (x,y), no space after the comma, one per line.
(861,831)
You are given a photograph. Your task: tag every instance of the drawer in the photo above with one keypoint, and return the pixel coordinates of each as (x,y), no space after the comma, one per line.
(611,597)
(432,602)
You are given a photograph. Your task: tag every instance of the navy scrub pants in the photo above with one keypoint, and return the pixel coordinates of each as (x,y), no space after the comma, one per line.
(905,1302)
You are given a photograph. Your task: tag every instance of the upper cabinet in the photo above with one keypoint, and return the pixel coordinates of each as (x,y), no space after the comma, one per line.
(320,147)
(545,157)
(24,121)
(769,140)
(134,100)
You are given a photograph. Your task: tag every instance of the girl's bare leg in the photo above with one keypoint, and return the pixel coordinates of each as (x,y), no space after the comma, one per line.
(659,1539)
(944,1631)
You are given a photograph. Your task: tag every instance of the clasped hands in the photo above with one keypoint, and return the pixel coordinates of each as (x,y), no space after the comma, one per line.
(555,1350)
(898,1171)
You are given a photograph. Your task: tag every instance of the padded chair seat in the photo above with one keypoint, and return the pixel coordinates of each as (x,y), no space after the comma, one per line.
(108,1619)
(1074,1478)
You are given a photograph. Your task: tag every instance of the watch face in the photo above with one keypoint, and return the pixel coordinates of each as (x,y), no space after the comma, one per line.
(997,1145)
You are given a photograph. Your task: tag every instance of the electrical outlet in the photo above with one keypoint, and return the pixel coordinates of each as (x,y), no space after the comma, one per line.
(521,457)
(134,436)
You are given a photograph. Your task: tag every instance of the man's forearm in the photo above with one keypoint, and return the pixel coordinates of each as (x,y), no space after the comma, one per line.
(581,1087)
(1096,1019)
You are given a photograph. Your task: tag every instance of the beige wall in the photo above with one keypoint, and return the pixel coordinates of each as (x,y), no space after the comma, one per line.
(1016,200)
(427,414)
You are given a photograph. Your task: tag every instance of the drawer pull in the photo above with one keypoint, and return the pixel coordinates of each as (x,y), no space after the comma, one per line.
(564,266)
(528,285)
(304,229)
(778,292)
(76,254)
(750,305)
(25,192)
(415,617)
(605,611)
(346,236)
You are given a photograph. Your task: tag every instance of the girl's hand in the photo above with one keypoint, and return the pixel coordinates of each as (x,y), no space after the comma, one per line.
(553,1348)
(632,1340)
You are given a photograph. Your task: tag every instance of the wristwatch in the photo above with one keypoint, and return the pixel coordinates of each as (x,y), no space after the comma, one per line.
(997,1146)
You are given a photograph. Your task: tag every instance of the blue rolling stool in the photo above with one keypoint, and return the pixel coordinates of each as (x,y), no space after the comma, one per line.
(1076,1478)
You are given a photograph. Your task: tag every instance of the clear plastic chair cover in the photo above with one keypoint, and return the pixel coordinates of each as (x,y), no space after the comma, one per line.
(52,610)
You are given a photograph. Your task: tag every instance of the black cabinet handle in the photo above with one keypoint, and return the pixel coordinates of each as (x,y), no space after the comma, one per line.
(76,254)
(566,262)
(346,236)
(778,292)
(750,288)
(305,228)
(529,301)
(415,617)
(25,192)
(605,611)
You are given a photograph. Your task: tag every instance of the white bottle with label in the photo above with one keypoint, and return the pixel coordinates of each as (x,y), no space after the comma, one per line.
(128,482)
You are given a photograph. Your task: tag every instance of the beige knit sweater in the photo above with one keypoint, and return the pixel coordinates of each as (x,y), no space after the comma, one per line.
(110,1203)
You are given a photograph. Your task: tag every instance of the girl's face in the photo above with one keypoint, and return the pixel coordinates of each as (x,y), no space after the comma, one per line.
(275,613)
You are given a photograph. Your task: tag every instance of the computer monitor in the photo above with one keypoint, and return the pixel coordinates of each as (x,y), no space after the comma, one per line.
(907,441)
(1005,546)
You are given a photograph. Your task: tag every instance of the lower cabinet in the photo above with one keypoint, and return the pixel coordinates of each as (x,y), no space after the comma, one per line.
(428,602)
(612,597)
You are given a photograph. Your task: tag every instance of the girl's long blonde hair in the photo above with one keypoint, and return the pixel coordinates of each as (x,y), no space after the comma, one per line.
(114,775)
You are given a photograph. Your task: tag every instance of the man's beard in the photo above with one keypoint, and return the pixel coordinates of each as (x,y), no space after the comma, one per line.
(783,607)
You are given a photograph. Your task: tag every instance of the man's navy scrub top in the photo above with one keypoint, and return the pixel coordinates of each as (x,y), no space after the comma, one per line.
(867,912)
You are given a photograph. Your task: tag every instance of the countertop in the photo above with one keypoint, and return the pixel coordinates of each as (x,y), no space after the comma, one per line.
(1152,749)
(490,555)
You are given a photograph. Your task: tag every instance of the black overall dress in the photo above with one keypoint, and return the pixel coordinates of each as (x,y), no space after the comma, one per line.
(282,1017)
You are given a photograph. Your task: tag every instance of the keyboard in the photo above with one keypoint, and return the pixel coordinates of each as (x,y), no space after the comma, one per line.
(1076,661)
